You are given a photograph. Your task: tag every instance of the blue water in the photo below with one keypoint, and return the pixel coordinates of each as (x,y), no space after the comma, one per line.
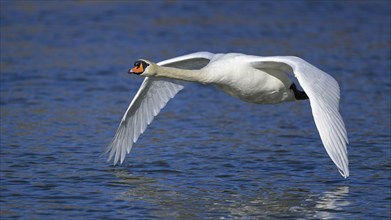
(207,155)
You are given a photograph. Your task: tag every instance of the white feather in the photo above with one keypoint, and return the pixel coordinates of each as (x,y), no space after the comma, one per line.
(152,96)
(324,94)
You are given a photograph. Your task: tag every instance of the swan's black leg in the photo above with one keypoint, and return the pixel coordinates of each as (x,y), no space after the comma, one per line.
(299,95)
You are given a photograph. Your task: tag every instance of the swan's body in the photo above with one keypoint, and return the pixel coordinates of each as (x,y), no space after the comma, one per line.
(253,79)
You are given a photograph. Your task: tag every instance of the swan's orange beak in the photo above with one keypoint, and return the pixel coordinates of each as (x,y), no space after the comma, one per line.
(136,70)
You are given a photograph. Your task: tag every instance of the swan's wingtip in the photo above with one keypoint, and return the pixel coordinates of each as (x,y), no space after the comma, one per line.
(344,173)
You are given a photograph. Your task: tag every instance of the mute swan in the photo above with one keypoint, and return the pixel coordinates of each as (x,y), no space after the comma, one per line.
(252,79)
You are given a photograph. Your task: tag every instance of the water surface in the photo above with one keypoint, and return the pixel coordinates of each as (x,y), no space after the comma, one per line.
(64,89)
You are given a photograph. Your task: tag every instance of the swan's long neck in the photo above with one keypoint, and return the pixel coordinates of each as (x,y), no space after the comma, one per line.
(181,74)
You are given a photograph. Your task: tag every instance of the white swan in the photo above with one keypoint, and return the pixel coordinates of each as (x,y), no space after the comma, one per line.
(250,78)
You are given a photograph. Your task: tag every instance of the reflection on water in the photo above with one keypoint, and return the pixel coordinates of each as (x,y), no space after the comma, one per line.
(173,200)
(331,202)
(64,88)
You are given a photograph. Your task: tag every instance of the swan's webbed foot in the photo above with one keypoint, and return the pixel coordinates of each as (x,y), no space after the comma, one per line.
(299,95)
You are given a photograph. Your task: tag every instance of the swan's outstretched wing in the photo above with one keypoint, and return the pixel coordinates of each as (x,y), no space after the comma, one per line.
(152,96)
(323,92)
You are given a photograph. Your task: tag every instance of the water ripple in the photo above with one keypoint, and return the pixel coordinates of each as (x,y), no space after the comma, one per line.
(64,88)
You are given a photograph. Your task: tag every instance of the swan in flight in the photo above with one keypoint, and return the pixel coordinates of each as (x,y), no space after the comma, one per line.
(253,79)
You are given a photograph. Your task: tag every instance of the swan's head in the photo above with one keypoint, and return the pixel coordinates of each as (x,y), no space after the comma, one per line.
(143,68)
